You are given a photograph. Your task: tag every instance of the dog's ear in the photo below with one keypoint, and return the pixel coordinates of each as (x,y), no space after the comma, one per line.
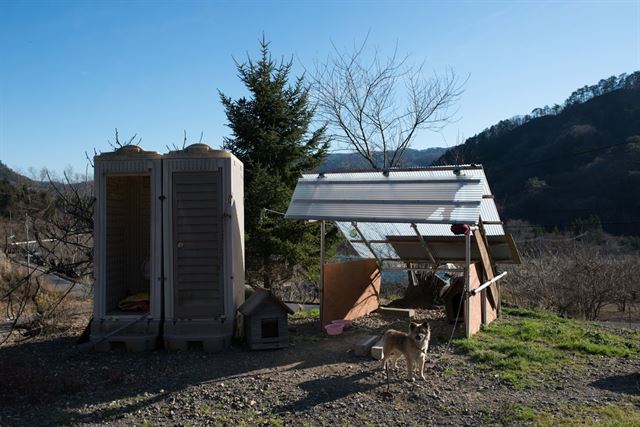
(413,325)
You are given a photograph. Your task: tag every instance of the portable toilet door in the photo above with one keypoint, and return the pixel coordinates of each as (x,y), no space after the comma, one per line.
(127,228)
(203,246)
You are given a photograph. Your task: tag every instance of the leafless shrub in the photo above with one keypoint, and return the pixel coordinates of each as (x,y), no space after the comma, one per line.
(302,288)
(573,278)
(44,277)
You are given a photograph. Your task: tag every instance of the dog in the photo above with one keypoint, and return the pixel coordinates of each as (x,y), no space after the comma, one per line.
(413,346)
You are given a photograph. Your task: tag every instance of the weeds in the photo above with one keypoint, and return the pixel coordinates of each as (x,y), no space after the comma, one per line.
(314,313)
(584,415)
(622,415)
(204,410)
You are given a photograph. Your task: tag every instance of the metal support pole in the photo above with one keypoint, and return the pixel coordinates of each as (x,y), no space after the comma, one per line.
(499,308)
(322,232)
(423,243)
(366,242)
(487,283)
(451,270)
(467,282)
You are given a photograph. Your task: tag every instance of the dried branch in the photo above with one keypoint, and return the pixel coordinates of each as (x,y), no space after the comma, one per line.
(378,105)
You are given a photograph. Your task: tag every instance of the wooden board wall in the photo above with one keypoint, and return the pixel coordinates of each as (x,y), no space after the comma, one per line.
(351,290)
(481,310)
(474,316)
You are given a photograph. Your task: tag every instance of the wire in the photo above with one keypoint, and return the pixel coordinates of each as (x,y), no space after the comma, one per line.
(546,239)
(272,211)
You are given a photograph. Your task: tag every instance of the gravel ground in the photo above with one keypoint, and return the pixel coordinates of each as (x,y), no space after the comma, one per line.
(317,381)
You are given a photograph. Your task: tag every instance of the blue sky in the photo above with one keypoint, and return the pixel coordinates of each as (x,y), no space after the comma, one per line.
(71,72)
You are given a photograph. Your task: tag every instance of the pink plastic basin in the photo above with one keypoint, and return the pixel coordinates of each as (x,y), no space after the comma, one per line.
(334,328)
(344,322)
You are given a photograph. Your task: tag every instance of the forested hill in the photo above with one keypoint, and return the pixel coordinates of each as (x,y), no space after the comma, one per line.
(6,173)
(411,158)
(582,162)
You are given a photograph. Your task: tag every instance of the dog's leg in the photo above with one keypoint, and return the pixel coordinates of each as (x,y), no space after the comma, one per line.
(393,358)
(385,364)
(410,368)
(422,360)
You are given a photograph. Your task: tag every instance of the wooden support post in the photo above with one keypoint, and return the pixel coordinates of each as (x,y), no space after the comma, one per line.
(322,233)
(487,264)
(467,282)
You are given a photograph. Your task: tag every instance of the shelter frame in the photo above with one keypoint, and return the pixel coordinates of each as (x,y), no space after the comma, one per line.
(397,197)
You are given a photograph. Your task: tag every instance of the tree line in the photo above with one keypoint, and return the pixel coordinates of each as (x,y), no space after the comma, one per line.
(579,96)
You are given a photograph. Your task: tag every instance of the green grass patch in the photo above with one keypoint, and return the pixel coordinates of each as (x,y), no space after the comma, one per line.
(525,345)
(314,313)
(584,415)
(623,415)
(204,410)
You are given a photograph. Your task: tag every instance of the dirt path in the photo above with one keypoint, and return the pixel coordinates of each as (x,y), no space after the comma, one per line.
(318,381)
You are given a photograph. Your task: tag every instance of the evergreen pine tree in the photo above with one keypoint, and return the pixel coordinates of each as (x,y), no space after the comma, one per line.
(271,135)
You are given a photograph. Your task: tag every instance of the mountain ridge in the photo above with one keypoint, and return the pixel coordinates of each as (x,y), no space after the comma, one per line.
(556,169)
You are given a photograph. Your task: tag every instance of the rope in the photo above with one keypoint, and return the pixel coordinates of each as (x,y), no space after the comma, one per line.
(455,323)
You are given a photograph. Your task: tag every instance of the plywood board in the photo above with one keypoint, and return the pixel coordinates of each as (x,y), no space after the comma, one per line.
(474,315)
(351,290)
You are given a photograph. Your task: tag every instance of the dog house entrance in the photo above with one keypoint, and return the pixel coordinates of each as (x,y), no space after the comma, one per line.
(128,220)
(269,328)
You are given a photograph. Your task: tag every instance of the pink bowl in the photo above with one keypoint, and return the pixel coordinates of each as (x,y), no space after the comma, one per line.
(344,322)
(334,328)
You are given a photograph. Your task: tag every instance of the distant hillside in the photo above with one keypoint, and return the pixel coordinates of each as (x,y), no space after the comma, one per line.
(554,169)
(13,177)
(411,158)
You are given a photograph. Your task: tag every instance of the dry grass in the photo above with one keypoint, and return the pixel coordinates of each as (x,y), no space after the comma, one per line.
(30,305)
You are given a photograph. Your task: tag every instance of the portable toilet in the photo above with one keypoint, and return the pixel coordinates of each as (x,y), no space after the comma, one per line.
(203,246)
(127,251)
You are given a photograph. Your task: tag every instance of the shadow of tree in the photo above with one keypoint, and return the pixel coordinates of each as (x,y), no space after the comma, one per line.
(324,390)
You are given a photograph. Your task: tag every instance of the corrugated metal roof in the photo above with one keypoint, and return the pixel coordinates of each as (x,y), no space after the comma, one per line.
(409,196)
(444,197)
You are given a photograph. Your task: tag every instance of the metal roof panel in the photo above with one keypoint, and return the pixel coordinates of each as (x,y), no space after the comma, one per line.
(408,196)
(386,207)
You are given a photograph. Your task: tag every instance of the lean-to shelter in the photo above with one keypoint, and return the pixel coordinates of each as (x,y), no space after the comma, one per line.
(408,219)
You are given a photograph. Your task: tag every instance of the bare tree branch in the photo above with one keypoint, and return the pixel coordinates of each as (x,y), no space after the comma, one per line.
(378,105)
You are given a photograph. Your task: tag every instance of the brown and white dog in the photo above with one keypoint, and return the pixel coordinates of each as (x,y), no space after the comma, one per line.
(413,346)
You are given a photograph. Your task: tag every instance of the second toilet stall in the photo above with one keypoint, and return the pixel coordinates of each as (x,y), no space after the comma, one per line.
(203,242)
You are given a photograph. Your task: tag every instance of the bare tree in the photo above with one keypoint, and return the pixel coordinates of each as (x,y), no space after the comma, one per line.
(376,104)
(58,243)
(573,277)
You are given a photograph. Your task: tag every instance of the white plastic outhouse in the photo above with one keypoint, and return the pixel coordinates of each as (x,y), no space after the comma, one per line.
(127,251)
(203,234)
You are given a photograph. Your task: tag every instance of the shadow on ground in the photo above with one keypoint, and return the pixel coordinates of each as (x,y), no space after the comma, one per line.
(331,389)
(627,384)
(55,375)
